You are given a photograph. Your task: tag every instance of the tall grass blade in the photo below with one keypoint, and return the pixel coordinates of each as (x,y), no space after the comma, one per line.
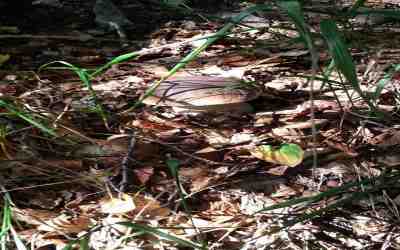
(14,110)
(356,5)
(114,61)
(393,14)
(17,240)
(173,165)
(170,237)
(385,180)
(382,83)
(6,226)
(294,11)
(85,77)
(342,58)
(84,243)
(210,40)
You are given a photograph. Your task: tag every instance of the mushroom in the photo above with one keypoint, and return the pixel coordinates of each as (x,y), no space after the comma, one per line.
(195,94)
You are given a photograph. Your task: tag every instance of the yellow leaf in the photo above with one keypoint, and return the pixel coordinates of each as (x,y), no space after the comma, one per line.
(120,205)
(4,58)
(287,154)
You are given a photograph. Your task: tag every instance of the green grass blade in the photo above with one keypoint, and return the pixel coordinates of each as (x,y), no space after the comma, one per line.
(393,14)
(6,220)
(13,110)
(386,181)
(85,77)
(84,243)
(173,165)
(339,52)
(174,3)
(340,203)
(294,11)
(356,5)
(6,223)
(69,246)
(342,58)
(167,236)
(370,186)
(17,240)
(382,83)
(7,228)
(309,200)
(114,61)
(210,40)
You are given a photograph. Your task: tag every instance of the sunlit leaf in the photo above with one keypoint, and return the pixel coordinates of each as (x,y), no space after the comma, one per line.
(65,223)
(287,154)
(4,58)
(119,205)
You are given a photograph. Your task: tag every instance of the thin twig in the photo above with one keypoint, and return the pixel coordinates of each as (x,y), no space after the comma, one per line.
(125,164)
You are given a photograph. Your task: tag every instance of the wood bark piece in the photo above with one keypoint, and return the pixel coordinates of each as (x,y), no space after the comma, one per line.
(204,93)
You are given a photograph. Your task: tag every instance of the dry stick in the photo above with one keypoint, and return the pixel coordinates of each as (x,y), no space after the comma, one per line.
(125,164)
(184,153)
(42,185)
(312,118)
(70,38)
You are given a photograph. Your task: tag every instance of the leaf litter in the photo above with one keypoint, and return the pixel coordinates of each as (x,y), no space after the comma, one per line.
(66,187)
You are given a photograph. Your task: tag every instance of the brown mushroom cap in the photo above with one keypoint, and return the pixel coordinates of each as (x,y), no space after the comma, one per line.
(197,92)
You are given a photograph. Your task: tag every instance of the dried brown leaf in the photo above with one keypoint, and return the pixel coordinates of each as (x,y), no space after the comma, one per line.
(66,224)
(143,174)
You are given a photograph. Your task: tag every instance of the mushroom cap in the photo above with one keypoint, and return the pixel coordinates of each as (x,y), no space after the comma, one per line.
(201,91)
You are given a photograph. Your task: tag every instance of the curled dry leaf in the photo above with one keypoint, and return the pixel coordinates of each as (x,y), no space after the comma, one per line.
(33,216)
(4,58)
(287,154)
(120,205)
(143,174)
(149,208)
(66,224)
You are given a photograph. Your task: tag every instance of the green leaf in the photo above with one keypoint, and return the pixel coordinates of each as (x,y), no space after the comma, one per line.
(287,154)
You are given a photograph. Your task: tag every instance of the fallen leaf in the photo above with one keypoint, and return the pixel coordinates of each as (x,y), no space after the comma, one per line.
(66,224)
(120,205)
(149,208)
(33,216)
(287,154)
(4,58)
(144,174)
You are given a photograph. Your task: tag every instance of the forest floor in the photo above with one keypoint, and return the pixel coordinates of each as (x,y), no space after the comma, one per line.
(68,147)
